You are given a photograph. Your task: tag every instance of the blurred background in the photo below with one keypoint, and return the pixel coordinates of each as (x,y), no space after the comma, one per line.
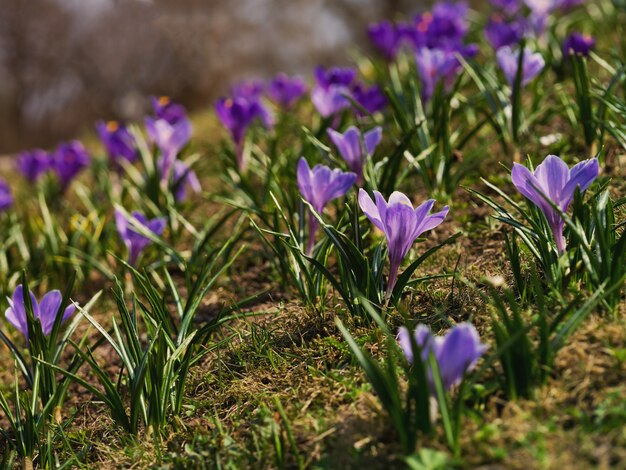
(66,63)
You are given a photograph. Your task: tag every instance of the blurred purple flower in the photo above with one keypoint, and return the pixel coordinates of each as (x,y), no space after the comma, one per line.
(331,88)
(508,60)
(371,99)
(6,197)
(355,147)
(170,139)
(46,311)
(136,242)
(285,90)
(184,178)
(579,44)
(456,353)
(118,142)
(501,33)
(319,186)
(237,114)
(554,181)
(68,160)
(444,27)
(34,163)
(386,38)
(165,108)
(510,7)
(400,223)
(250,89)
(435,65)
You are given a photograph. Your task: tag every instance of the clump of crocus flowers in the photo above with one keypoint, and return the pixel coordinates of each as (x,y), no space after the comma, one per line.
(45,311)
(134,240)
(170,130)
(554,183)
(318,186)
(401,224)
(456,353)
(237,113)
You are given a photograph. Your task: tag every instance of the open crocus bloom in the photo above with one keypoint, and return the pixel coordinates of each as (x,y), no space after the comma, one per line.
(69,159)
(170,139)
(118,141)
(532,64)
(456,353)
(45,312)
(136,242)
(318,187)
(554,181)
(355,147)
(400,223)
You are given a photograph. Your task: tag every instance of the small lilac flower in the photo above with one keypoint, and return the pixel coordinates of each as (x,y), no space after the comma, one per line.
(184,177)
(554,181)
(354,148)
(250,89)
(400,223)
(33,164)
(136,242)
(385,37)
(285,90)
(45,312)
(444,27)
(118,142)
(6,197)
(333,85)
(319,186)
(165,108)
(237,114)
(170,139)
(371,99)
(435,65)
(456,353)
(579,44)
(68,160)
(510,7)
(508,60)
(501,33)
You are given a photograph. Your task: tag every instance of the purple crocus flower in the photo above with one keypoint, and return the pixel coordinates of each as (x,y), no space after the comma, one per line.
(68,160)
(386,38)
(170,139)
(286,90)
(444,27)
(33,164)
(371,99)
(331,88)
(319,186)
(136,242)
(400,223)
(355,147)
(508,60)
(554,181)
(435,65)
(237,114)
(250,89)
(6,197)
(579,44)
(456,353)
(184,178)
(510,7)
(118,142)
(165,108)
(500,33)
(46,311)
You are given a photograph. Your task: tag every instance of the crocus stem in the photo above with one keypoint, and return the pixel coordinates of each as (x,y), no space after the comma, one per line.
(241,162)
(313,224)
(393,277)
